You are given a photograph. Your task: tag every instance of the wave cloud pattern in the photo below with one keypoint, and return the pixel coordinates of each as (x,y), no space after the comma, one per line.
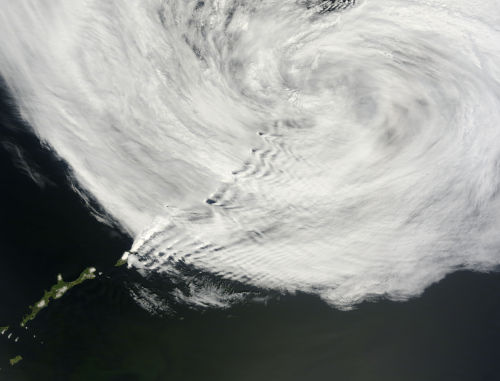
(349,149)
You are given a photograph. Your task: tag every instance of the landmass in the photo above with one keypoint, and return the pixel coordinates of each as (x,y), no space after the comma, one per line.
(57,291)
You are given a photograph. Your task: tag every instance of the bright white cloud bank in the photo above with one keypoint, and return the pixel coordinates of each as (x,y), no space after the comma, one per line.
(348,154)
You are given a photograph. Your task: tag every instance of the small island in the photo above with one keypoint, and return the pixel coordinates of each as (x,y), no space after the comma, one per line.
(15,360)
(123,260)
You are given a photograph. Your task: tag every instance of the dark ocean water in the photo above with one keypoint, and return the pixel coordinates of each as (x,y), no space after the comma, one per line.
(97,331)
